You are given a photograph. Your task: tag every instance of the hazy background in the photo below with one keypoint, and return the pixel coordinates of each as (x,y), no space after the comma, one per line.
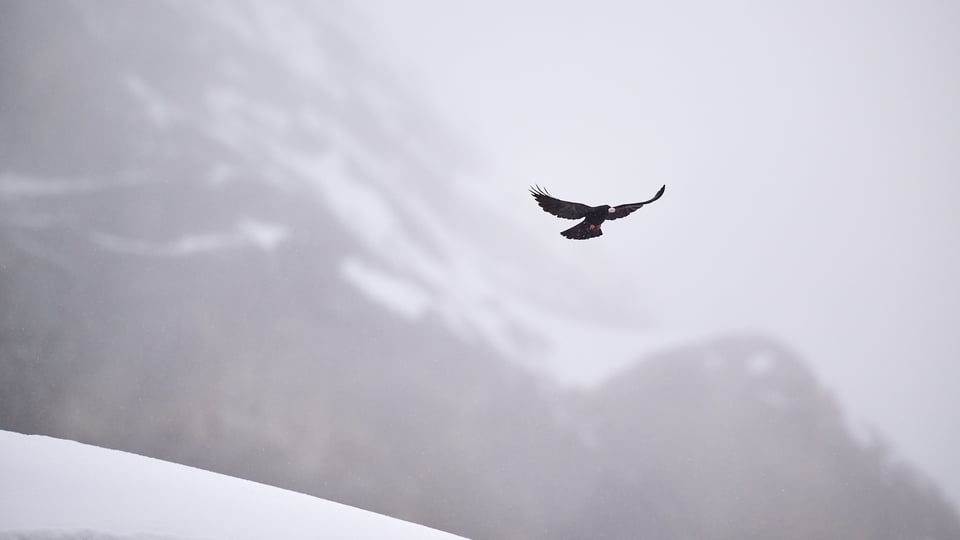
(292,243)
(811,152)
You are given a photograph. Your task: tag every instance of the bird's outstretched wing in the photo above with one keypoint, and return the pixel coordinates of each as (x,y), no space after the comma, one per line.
(562,209)
(625,210)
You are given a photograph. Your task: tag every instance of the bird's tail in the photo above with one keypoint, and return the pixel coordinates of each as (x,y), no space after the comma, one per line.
(582,231)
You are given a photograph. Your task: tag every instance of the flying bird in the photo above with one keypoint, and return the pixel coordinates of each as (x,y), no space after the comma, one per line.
(592,216)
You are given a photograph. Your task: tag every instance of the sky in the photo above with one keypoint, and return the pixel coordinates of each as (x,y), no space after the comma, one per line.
(811,152)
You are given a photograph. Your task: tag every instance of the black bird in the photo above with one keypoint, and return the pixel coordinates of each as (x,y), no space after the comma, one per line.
(593,216)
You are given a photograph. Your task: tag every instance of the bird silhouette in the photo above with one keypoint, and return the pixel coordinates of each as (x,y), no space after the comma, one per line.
(592,216)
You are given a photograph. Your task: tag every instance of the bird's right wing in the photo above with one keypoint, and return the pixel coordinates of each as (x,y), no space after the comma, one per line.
(625,210)
(561,209)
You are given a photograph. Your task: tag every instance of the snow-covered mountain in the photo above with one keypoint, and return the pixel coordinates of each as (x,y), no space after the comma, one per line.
(183,131)
(55,489)
(229,239)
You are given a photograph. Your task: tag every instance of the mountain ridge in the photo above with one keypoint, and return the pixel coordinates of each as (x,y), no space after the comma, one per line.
(204,260)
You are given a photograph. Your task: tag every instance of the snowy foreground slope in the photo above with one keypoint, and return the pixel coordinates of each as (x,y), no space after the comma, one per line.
(52,488)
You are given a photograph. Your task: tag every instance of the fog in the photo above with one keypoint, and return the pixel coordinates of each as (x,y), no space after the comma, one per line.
(294,244)
(811,152)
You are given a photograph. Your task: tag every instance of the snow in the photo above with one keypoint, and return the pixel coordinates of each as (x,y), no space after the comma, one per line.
(161,111)
(248,233)
(398,295)
(52,488)
(346,197)
(410,259)
(262,234)
(13,186)
(761,363)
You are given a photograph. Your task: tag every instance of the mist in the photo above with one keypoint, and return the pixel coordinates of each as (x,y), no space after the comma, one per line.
(294,244)
(814,148)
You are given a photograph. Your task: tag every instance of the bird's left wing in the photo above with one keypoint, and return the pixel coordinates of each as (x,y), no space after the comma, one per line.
(625,210)
(562,209)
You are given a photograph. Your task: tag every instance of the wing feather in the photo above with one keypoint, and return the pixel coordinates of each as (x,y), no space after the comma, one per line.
(625,210)
(561,209)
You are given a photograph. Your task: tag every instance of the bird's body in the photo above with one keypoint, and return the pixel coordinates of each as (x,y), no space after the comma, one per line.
(593,216)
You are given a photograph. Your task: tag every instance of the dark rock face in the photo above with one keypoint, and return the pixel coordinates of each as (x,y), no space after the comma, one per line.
(171,285)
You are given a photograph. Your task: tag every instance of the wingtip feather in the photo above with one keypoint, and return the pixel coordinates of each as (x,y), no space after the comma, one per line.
(537,190)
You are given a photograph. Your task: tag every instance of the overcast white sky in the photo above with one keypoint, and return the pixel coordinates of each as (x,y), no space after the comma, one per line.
(811,152)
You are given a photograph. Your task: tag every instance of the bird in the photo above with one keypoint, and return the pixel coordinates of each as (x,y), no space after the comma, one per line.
(592,216)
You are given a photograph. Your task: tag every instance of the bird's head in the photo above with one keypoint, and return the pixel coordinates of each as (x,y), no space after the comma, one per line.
(612,210)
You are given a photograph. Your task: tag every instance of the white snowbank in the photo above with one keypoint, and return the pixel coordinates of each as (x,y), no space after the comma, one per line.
(56,489)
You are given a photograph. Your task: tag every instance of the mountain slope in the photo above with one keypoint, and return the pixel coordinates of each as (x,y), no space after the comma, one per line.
(734,438)
(61,489)
(228,240)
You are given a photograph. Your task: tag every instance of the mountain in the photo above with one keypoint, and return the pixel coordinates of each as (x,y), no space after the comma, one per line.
(734,438)
(62,490)
(230,239)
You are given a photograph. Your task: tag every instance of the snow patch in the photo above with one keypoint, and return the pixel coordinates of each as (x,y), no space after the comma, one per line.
(13,186)
(395,293)
(83,534)
(158,109)
(263,235)
(761,363)
(361,209)
(248,233)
